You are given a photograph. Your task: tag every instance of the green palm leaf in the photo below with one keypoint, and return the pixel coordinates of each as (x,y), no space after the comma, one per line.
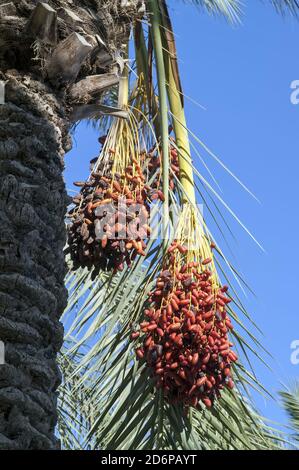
(232,9)
(290,399)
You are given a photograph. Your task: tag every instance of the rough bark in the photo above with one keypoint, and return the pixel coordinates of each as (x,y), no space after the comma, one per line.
(34,125)
(32,295)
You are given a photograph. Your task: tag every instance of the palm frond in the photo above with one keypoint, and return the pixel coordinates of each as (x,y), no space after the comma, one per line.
(74,412)
(290,399)
(284,6)
(125,411)
(232,10)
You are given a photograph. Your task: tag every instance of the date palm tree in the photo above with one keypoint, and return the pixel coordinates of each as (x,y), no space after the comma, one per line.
(56,59)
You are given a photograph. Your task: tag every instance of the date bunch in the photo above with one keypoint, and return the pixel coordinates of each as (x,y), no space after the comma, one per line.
(154,166)
(184,337)
(109,218)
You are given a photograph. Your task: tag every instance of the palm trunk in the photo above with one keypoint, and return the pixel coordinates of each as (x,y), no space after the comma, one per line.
(33,203)
(40,100)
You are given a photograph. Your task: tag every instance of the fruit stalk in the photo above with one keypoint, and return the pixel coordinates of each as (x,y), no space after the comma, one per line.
(177,107)
(158,50)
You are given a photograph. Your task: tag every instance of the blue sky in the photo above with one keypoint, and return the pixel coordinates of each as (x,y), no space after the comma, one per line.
(241,75)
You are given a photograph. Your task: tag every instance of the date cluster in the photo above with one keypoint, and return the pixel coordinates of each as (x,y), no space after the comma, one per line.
(109,218)
(184,336)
